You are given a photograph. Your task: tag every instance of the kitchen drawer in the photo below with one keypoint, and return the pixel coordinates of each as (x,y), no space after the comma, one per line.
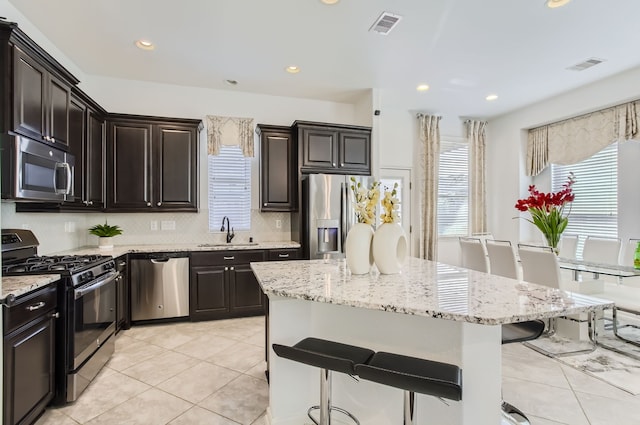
(30,307)
(218,258)
(284,254)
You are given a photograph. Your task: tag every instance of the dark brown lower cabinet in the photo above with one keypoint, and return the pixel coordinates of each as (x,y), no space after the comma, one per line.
(223,285)
(29,347)
(209,293)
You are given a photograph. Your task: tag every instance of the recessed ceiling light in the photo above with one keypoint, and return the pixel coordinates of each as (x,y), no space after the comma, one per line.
(231,82)
(329,1)
(491,97)
(145,45)
(422,87)
(552,4)
(292,69)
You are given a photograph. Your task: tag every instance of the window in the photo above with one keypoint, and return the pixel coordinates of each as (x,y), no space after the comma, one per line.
(594,210)
(453,189)
(229,189)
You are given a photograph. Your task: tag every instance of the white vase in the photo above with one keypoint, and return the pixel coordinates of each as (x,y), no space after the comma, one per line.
(105,243)
(389,248)
(357,248)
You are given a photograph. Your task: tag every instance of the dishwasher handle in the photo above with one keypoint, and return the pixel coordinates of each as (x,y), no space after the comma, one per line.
(159,260)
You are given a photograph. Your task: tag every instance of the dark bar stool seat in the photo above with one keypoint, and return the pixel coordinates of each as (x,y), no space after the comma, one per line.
(328,356)
(413,375)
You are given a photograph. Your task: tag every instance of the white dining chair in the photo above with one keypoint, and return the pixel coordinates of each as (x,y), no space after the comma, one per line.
(502,259)
(601,250)
(539,265)
(473,254)
(568,246)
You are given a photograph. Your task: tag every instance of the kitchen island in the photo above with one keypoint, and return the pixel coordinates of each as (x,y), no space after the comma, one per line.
(429,310)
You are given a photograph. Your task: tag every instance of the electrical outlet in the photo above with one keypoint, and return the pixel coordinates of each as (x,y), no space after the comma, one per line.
(168,225)
(278,224)
(153,224)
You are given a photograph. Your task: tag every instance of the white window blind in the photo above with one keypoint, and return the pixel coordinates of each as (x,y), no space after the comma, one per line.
(453,189)
(229,189)
(594,210)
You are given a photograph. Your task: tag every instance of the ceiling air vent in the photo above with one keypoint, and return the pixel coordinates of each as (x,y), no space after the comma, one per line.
(586,64)
(385,23)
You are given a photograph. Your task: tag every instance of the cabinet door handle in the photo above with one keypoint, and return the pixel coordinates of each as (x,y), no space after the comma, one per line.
(342,164)
(333,164)
(55,315)
(226,269)
(36,306)
(148,204)
(265,204)
(232,268)
(90,202)
(283,255)
(52,140)
(230,258)
(159,203)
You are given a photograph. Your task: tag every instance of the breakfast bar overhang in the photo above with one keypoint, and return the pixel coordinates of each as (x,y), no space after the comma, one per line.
(430,310)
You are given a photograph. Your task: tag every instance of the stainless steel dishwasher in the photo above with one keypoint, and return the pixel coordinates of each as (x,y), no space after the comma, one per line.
(159,285)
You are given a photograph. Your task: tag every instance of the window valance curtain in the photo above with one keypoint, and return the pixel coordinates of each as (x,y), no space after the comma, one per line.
(429,130)
(576,139)
(229,131)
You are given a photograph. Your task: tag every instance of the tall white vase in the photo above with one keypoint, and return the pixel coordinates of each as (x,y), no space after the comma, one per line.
(357,248)
(389,248)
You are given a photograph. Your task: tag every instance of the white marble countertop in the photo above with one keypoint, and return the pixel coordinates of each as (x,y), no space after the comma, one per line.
(21,285)
(119,250)
(423,288)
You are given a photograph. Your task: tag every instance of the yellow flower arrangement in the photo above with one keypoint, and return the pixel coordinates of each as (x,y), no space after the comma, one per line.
(365,201)
(390,205)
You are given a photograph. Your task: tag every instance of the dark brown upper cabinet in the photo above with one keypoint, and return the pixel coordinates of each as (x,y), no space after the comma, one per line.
(333,148)
(87,138)
(37,89)
(278,171)
(153,163)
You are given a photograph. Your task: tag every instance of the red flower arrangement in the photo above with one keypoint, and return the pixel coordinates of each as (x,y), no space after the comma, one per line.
(547,210)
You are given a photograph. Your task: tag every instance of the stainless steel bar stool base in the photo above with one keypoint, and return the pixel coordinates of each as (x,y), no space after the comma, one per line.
(331,409)
(513,416)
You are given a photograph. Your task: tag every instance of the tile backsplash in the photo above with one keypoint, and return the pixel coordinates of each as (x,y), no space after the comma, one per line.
(63,231)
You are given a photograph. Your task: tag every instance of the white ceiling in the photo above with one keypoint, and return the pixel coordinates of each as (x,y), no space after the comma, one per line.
(464,49)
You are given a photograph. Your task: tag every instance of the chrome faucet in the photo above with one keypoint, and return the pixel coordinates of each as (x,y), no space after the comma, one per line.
(230,233)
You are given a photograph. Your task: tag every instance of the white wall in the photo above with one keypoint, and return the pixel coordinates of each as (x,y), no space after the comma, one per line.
(506,151)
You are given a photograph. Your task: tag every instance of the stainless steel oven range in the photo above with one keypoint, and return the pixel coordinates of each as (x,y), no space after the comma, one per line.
(87,303)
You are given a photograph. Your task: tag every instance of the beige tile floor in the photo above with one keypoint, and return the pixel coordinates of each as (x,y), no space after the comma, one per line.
(213,373)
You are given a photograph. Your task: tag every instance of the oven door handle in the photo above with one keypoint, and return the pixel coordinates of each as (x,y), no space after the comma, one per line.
(92,286)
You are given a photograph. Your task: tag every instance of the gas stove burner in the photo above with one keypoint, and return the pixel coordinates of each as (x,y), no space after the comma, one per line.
(52,263)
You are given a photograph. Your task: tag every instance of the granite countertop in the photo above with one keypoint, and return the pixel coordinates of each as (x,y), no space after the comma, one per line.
(21,285)
(119,250)
(423,288)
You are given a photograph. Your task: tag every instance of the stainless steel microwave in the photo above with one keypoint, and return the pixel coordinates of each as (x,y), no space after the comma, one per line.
(34,171)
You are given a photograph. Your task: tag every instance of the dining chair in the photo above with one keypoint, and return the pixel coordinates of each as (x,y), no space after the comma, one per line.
(568,246)
(601,250)
(540,265)
(502,258)
(473,254)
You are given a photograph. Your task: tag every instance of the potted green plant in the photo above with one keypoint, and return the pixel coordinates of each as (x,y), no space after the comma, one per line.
(105,233)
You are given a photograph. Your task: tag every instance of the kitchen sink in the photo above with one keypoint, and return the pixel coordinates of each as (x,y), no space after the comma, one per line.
(230,245)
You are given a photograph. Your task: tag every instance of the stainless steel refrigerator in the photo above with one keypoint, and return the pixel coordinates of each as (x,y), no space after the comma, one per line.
(327,213)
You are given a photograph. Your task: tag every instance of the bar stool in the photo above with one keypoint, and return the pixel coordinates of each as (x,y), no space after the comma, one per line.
(413,375)
(328,356)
